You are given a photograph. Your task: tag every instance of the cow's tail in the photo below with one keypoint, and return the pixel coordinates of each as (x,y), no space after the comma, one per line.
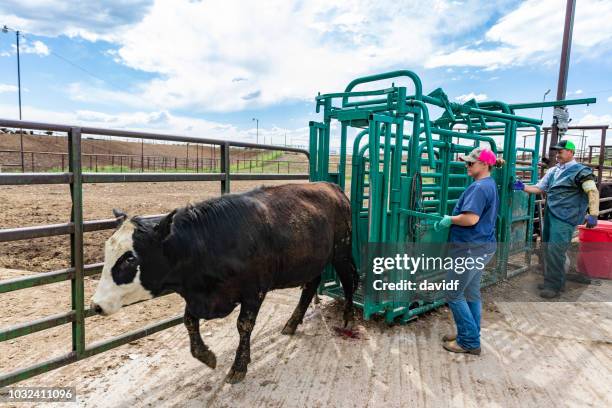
(355,275)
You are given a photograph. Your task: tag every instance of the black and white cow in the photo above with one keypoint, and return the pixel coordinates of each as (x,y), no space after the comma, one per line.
(232,250)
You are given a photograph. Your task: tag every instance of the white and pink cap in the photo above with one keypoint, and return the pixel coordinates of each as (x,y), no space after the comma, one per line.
(480,154)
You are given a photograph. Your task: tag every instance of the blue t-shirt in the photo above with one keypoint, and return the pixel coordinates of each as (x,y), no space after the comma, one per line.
(481,199)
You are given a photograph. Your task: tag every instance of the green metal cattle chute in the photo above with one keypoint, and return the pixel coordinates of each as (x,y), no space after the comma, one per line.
(404,175)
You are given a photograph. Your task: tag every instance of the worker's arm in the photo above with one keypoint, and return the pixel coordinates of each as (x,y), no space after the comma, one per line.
(466,219)
(534,189)
(590,188)
(539,188)
(592,193)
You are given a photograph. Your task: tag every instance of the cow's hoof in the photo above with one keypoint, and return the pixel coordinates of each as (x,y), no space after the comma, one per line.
(234,377)
(289,329)
(207,357)
(348,317)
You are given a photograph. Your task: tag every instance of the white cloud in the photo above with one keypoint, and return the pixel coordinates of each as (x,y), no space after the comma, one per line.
(28,47)
(36,47)
(578,92)
(7,88)
(610,99)
(532,33)
(471,95)
(590,119)
(91,20)
(95,94)
(160,121)
(278,50)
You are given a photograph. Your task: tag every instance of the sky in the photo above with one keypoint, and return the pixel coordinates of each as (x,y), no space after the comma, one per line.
(207,68)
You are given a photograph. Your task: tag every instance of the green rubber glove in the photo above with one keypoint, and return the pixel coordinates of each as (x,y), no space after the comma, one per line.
(443,223)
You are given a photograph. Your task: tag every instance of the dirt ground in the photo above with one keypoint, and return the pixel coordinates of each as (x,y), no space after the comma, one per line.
(534,353)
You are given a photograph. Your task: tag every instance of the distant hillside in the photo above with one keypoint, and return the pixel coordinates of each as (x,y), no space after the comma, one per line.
(105,149)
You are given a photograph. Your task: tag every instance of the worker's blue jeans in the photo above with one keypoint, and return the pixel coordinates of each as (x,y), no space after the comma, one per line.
(465,304)
(556,236)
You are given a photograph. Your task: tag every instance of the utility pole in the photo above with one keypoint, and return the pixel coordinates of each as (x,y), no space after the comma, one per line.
(6,29)
(563,71)
(543,100)
(257,134)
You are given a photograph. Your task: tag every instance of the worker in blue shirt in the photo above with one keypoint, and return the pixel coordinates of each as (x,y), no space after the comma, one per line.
(472,235)
(570,188)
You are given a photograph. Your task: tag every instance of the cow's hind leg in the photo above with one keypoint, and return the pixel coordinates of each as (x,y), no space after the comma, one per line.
(347,273)
(310,288)
(198,349)
(246,322)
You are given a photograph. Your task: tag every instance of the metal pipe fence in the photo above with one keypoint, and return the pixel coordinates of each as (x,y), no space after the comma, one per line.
(96,162)
(76,228)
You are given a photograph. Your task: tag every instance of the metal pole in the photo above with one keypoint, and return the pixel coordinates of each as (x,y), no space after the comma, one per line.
(543,100)
(563,67)
(225,167)
(19,96)
(76,242)
(257,131)
(142,155)
(602,154)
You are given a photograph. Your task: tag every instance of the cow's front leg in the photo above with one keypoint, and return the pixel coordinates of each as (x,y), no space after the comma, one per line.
(245,324)
(198,349)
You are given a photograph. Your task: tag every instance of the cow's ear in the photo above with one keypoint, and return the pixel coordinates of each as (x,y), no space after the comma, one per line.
(164,226)
(120,215)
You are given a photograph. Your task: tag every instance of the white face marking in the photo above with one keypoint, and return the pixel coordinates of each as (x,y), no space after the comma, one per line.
(109,295)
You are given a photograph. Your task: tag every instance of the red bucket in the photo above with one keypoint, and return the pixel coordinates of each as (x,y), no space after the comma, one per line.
(595,250)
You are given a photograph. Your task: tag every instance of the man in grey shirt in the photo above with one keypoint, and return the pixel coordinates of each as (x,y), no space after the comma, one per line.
(570,188)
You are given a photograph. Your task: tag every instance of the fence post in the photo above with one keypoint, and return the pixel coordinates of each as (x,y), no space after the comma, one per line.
(96,163)
(225,167)
(32,162)
(602,154)
(76,242)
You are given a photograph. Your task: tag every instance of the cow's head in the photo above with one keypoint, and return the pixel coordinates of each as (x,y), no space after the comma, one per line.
(134,265)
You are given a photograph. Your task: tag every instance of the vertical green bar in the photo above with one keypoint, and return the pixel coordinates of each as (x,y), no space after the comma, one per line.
(342,165)
(446,155)
(321,154)
(76,242)
(313,152)
(326,138)
(374,205)
(386,183)
(225,167)
(396,173)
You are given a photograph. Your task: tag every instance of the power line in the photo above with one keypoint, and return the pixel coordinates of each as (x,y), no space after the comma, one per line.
(74,64)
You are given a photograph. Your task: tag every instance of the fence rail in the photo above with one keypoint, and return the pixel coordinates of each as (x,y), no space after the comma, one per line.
(100,162)
(76,228)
